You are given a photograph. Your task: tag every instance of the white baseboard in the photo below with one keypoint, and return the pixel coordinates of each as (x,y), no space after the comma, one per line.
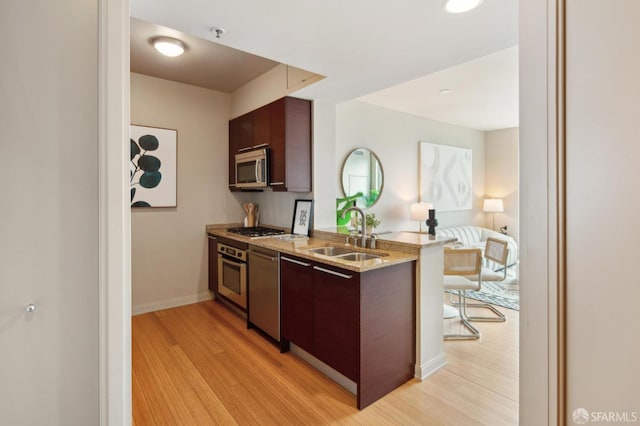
(171,303)
(428,368)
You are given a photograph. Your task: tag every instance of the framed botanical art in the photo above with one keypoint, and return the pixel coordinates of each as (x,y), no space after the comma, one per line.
(153,166)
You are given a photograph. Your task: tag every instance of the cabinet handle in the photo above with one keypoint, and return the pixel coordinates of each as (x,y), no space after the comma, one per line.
(245,149)
(213,238)
(328,271)
(297,262)
(275,183)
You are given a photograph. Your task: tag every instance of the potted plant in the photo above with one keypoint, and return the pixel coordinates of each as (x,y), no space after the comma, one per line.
(371,222)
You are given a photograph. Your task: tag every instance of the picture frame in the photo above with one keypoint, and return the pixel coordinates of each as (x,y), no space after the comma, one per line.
(153,166)
(302,222)
(446,176)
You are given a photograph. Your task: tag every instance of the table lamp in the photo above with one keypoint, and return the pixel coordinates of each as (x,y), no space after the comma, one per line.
(426,212)
(493,205)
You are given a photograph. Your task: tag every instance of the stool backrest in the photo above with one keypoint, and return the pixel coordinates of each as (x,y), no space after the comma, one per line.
(466,261)
(496,250)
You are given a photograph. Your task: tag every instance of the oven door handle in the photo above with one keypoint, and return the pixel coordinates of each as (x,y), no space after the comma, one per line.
(231,261)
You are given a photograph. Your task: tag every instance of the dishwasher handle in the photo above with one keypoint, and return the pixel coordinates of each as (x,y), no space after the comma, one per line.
(263,256)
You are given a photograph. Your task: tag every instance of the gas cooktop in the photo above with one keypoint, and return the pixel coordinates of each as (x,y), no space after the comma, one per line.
(255,231)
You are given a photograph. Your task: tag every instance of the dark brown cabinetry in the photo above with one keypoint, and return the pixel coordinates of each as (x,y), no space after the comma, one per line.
(284,126)
(296,292)
(336,321)
(213,263)
(360,324)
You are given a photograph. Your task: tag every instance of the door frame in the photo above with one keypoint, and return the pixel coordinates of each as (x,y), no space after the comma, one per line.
(114,281)
(542,213)
(542,316)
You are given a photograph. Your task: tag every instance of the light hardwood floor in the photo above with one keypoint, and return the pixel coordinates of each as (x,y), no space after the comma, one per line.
(199,365)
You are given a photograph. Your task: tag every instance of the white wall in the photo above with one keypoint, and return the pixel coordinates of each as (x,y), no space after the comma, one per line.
(49,220)
(603,126)
(501,177)
(169,263)
(395,137)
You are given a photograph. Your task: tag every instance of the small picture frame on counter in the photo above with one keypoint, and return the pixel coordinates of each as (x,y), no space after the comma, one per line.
(302,217)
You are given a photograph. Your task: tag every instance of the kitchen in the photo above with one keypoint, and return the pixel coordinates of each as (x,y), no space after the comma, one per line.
(141,217)
(168,246)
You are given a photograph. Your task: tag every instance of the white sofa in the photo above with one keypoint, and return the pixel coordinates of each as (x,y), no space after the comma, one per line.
(475,236)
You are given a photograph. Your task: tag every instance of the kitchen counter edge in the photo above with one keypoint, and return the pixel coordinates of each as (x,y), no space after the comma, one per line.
(396,252)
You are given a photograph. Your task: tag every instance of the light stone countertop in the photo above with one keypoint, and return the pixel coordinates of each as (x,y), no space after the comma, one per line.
(395,248)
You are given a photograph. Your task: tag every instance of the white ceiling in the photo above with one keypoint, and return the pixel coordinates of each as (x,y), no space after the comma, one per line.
(483,93)
(204,64)
(362,46)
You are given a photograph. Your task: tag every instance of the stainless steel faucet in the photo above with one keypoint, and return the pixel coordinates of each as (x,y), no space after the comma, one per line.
(363,224)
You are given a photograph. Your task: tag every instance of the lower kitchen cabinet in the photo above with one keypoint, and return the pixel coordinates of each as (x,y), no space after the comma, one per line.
(360,324)
(213,263)
(336,321)
(296,302)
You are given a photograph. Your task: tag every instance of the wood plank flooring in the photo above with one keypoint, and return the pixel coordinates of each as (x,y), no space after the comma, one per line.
(199,365)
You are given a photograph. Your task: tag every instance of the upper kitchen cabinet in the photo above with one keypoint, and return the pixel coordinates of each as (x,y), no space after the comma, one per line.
(283,126)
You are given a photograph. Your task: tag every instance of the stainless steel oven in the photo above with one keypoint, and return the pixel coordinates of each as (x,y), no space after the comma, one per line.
(232,274)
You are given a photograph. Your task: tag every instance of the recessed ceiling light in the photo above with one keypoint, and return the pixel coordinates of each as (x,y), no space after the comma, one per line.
(169,46)
(460,6)
(445,91)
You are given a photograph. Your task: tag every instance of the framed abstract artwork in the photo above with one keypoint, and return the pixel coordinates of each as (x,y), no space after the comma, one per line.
(302,217)
(153,166)
(446,177)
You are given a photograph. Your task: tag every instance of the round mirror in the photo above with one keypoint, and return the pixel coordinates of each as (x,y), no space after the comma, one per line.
(362,178)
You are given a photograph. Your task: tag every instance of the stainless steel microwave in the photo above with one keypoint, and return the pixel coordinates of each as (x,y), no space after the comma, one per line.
(252,169)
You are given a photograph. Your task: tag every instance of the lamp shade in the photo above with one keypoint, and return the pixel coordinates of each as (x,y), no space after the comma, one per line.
(493,205)
(420,211)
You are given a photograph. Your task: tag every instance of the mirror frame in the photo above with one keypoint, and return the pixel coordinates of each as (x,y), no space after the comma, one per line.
(344,163)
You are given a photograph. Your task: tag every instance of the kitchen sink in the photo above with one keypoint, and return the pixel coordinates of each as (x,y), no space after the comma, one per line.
(357,257)
(329,251)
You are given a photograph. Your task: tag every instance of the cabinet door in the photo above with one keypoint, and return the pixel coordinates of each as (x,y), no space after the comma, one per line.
(296,290)
(234,134)
(261,126)
(245,129)
(213,264)
(277,144)
(297,174)
(336,318)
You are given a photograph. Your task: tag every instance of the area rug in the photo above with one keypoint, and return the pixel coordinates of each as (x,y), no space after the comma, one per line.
(500,293)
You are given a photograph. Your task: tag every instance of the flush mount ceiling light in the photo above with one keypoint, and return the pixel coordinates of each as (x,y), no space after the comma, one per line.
(169,46)
(460,6)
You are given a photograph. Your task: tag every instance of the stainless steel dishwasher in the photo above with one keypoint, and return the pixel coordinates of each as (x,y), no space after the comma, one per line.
(264,290)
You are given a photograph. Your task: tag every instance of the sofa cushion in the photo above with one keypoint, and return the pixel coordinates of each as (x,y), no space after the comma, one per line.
(475,236)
